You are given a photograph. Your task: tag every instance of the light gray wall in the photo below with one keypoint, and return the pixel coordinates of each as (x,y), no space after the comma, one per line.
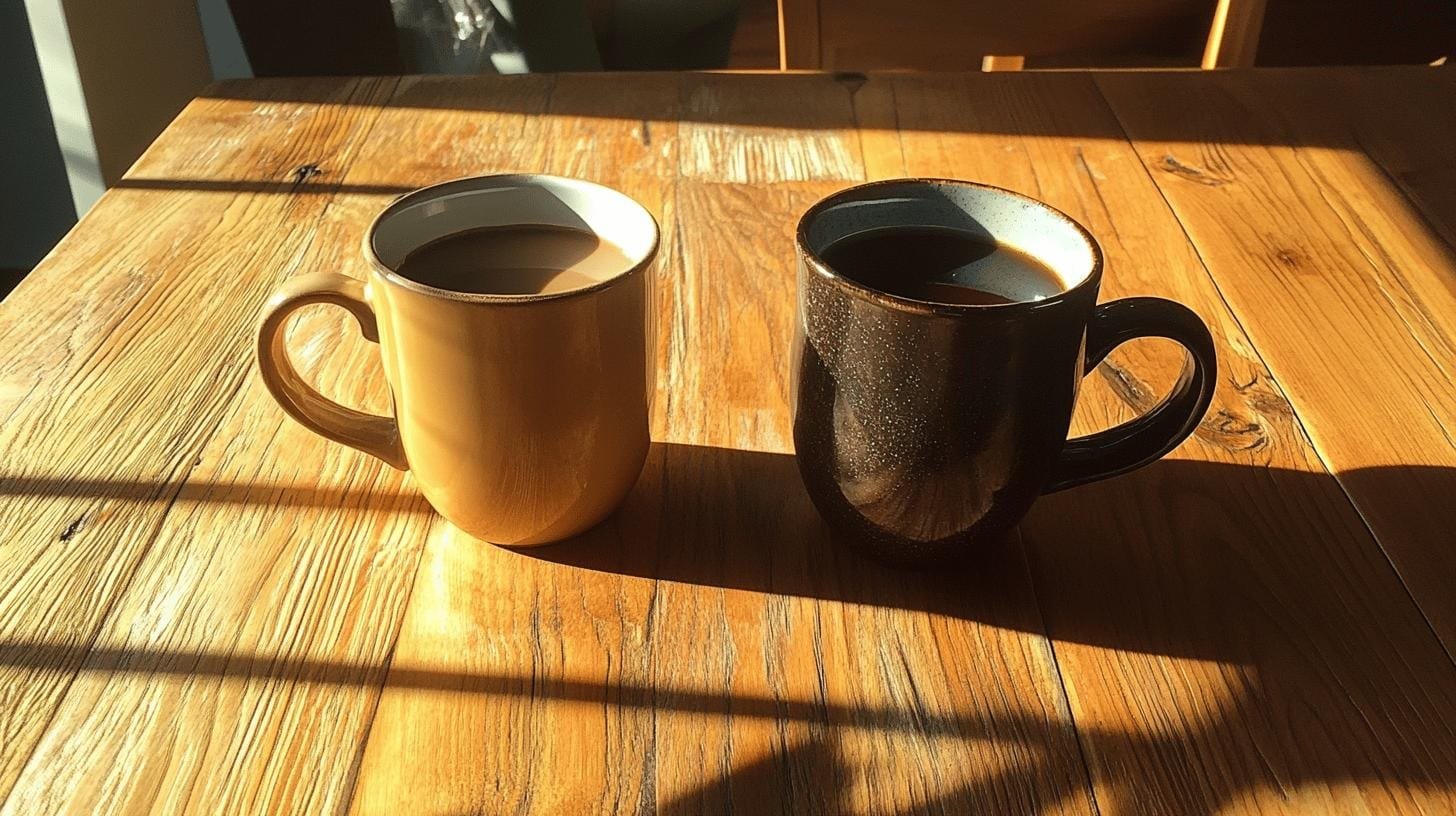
(224,49)
(35,198)
(45,153)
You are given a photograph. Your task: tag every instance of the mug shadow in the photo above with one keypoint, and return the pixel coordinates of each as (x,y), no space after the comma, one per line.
(1270,572)
(1258,568)
(1207,535)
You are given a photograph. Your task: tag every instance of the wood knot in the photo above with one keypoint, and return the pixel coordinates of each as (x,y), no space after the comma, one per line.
(1222,428)
(304,172)
(1200,175)
(1262,396)
(1288,258)
(1232,432)
(73,528)
(1266,400)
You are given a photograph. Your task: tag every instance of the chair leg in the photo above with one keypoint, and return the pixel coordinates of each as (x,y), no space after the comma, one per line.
(1233,39)
(799,35)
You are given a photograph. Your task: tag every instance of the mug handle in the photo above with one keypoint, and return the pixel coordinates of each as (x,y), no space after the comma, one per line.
(1140,441)
(375,435)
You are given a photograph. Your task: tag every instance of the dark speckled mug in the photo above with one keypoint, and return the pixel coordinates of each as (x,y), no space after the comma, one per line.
(926,430)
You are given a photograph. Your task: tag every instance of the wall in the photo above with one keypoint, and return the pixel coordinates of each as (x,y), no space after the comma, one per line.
(224,48)
(87,86)
(35,197)
(139,62)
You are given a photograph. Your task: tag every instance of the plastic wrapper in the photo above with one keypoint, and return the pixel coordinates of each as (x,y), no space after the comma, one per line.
(456,37)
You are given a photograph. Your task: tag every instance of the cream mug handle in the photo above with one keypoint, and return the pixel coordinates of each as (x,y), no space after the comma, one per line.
(375,435)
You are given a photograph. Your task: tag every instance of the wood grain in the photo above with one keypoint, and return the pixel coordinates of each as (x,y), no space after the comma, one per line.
(80,502)
(302,661)
(701,662)
(1228,631)
(206,609)
(1404,131)
(735,129)
(432,748)
(1338,279)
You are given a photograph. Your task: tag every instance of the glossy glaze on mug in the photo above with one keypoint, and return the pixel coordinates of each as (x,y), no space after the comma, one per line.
(524,418)
(923,430)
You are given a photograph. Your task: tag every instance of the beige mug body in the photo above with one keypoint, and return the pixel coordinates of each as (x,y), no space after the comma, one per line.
(524,418)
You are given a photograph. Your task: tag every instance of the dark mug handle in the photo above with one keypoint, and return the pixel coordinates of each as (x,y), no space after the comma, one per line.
(1140,441)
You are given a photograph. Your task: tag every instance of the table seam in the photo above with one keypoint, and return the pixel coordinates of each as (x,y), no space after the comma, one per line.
(1298,419)
(187,464)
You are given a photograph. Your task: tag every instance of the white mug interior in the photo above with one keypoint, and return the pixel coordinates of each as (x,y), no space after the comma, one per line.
(1010,219)
(432,213)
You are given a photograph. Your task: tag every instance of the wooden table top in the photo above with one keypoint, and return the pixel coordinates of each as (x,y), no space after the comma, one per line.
(205,608)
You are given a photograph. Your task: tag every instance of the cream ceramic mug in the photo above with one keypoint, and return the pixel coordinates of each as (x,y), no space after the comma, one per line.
(524,418)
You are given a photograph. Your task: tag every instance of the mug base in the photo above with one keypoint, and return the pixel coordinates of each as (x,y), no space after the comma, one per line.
(902,553)
(544,538)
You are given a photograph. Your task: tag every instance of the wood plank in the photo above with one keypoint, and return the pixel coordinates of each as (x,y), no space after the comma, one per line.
(1230,636)
(482,740)
(878,123)
(707,649)
(127,290)
(1342,284)
(260,620)
(766,128)
(216,596)
(1403,119)
(274,653)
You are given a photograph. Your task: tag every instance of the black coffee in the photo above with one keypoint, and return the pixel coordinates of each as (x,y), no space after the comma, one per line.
(523,259)
(941,265)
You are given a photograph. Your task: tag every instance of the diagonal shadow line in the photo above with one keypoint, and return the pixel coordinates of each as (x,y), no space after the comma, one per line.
(1019,728)
(41,655)
(270,495)
(802,102)
(261,186)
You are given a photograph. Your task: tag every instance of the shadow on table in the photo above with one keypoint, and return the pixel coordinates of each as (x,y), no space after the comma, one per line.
(1005,102)
(1269,572)
(263,494)
(288,185)
(1165,560)
(1181,558)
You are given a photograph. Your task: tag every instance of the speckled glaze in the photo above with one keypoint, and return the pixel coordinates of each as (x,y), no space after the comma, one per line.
(926,430)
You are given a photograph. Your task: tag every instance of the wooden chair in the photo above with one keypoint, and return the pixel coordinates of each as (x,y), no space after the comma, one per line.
(998,35)
(957,35)
(1233,38)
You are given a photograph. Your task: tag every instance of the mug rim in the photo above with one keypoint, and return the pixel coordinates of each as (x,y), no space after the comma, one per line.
(391,276)
(821,268)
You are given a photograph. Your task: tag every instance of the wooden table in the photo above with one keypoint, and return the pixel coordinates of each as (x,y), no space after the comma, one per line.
(205,608)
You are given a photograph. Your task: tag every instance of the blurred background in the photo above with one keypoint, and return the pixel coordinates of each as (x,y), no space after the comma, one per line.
(85,87)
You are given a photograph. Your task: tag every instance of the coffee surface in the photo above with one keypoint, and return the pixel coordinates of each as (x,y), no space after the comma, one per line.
(941,265)
(524,259)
